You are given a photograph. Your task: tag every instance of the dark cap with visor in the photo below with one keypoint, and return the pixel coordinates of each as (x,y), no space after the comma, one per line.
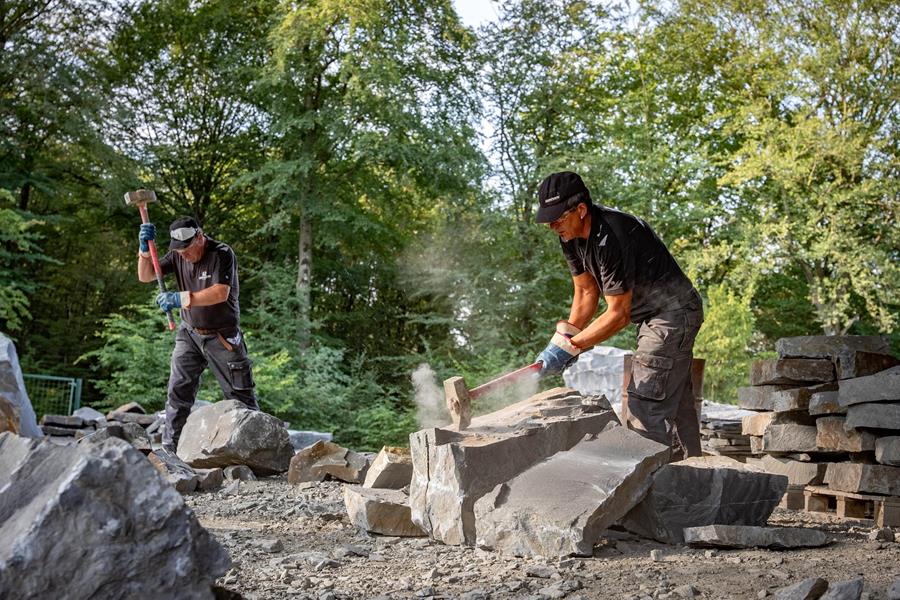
(558,193)
(182,232)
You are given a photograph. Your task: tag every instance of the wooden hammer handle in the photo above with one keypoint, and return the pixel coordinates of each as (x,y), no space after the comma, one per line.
(504,380)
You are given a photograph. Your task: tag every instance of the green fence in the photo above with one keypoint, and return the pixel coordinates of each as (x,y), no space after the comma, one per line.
(52,395)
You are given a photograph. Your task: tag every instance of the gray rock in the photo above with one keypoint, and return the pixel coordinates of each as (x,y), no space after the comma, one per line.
(238,473)
(851,363)
(132,417)
(540,571)
(89,415)
(392,468)
(780,398)
(16,412)
(797,472)
(756,424)
(176,472)
(831,435)
(383,511)
(209,480)
(302,439)
(63,421)
(791,371)
(743,536)
(790,438)
(856,477)
(327,459)
(452,469)
(114,430)
(135,435)
(876,415)
(882,534)
(704,491)
(828,346)
(808,589)
(880,387)
(894,591)
(228,433)
(844,590)
(130,407)
(887,450)
(561,505)
(826,403)
(51,498)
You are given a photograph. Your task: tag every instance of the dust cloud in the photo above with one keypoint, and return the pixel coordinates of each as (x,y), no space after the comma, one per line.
(430,408)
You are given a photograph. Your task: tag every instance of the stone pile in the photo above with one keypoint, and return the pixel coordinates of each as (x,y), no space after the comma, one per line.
(724,437)
(827,411)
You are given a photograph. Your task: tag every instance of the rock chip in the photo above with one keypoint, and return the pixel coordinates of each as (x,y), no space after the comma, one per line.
(324,459)
(392,468)
(379,510)
(16,412)
(743,536)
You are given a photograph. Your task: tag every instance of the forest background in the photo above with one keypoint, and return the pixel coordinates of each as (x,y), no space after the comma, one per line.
(374,164)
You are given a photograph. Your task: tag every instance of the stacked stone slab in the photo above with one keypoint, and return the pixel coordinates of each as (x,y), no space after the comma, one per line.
(724,437)
(381,504)
(828,412)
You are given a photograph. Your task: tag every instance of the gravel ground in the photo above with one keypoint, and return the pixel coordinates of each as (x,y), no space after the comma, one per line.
(297,542)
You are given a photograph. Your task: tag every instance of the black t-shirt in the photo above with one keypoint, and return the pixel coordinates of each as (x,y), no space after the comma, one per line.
(217,265)
(623,253)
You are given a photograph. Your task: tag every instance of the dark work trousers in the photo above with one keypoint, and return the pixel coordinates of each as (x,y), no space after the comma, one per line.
(192,354)
(660,400)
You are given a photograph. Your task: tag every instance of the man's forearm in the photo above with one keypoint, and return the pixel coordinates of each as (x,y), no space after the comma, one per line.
(145,269)
(214,294)
(604,327)
(584,305)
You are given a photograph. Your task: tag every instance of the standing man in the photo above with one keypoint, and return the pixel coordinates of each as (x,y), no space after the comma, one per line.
(209,334)
(619,256)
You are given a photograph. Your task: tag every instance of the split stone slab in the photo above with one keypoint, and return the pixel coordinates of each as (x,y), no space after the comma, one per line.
(58,431)
(797,472)
(887,450)
(790,438)
(826,403)
(808,589)
(851,363)
(392,469)
(880,387)
(756,424)
(875,415)
(562,505)
(857,477)
(744,536)
(89,415)
(380,510)
(63,421)
(132,417)
(324,459)
(130,407)
(831,435)
(114,430)
(16,413)
(176,472)
(146,542)
(453,469)
(844,590)
(228,433)
(827,346)
(787,371)
(701,491)
(780,398)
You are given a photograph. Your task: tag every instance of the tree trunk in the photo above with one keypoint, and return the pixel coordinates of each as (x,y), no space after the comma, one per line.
(304,273)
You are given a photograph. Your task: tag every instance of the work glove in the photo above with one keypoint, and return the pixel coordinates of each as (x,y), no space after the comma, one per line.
(147,234)
(168,300)
(560,352)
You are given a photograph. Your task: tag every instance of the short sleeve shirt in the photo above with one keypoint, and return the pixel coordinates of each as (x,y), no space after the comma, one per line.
(217,265)
(623,253)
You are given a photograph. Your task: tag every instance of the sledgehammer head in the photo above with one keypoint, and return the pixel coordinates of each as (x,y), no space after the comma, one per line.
(138,197)
(459,403)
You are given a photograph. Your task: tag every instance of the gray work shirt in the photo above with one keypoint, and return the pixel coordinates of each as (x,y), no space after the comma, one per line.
(217,265)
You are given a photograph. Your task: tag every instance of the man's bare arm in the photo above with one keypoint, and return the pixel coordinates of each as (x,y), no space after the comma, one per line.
(214,294)
(615,318)
(585,300)
(145,269)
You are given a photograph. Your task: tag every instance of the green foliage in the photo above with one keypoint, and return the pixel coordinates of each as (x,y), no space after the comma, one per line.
(724,342)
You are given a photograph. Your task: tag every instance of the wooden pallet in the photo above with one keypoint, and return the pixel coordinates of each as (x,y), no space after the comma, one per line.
(885,510)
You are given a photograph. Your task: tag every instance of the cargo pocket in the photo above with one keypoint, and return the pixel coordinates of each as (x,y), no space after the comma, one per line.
(650,374)
(691,327)
(241,377)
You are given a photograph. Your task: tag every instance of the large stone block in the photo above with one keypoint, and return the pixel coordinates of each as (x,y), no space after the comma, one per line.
(392,468)
(97,521)
(791,371)
(831,436)
(16,412)
(324,459)
(797,472)
(856,477)
(887,450)
(790,438)
(757,424)
(561,505)
(826,403)
(849,364)
(704,491)
(380,510)
(876,415)
(452,469)
(748,536)
(228,433)
(828,346)
(780,398)
(880,387)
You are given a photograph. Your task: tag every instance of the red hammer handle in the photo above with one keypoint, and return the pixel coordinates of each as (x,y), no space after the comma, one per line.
(145,218)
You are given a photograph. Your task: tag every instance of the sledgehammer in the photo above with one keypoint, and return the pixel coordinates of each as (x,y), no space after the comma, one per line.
(459,398)
(140,198)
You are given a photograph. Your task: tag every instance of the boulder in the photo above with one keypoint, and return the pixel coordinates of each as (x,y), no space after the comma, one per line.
(828,346)
(857,477)
(380,510)
(97,521)
(844,590)
(791,371)
(887,450)
(452,469)
(324,459)
(780,398)
(797,472)
(561,506)
(16,412)
(392,468)
(826,403)
(176,472)
(808,589)
(748,536)
(875,415)
(228,433)
(704,491)
(831,435)
(852,363)
(880,387)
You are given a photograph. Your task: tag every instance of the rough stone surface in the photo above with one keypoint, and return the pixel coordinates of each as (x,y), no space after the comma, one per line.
(887,450)
(380,510)
(89,415)
(238,473)
(130,407)
(844,590)
(851,363)
(63,421)
(132,417)
(228,433)
(790,438)
(856,477)
(743,536)
(797,472)
(176,472)
(324,459)
(392,469)
(876,415)
(827,346)
(452,469)
(135,435)
(880,387)
(791,371)
(756,424)
(831,435)
(894,590)
(209,480)
(808,589)
(16,412)
(826,403)
(705,491)
(51,498)
(561,505)
(780,398)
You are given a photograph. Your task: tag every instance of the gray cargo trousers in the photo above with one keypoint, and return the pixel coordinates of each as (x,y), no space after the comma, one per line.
(660,400)
(192,354)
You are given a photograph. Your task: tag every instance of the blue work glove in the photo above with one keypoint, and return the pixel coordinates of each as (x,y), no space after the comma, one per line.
(168,300)
(560,352)
(147,234)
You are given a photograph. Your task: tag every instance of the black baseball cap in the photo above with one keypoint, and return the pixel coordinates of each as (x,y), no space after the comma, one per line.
(558,193)
(182,232)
